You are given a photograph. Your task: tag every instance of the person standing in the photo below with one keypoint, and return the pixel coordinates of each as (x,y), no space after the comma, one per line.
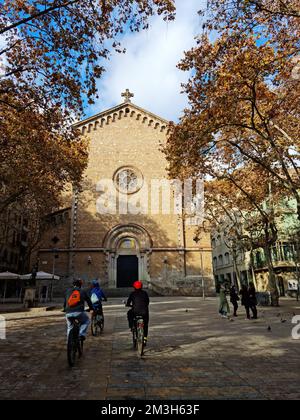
(252,300)
(234,298)
(245,299)
(224,309)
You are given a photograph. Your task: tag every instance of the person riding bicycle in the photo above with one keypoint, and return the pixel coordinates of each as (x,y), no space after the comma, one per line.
(75,299)
(139,303)
(97,295)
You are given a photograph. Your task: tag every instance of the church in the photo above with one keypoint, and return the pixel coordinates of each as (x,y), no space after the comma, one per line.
(115,228)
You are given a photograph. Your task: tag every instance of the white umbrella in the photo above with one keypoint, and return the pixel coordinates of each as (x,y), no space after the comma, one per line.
(40,275)
(6,276)
(9,276)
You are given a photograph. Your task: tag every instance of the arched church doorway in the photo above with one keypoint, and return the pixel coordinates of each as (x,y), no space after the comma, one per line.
(127,248)
(127,262)
(127,270)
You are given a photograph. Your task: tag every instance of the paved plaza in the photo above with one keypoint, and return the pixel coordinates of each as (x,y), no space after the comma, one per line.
(192,354)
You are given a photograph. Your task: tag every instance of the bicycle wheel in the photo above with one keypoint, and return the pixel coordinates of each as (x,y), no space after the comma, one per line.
(72,346)
(101,323)
(134,338)
(95,328)
(80,347)
(140,338)
(101,326)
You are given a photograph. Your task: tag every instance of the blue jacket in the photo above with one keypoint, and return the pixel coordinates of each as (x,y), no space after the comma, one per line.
(100,295)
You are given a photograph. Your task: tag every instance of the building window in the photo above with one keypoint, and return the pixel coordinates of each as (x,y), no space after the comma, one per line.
(220,259)
(227,258)
(215,261)
(128,180)
(287,252)
(128,244)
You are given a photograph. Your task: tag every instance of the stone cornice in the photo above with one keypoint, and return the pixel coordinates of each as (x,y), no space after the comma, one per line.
(124,110)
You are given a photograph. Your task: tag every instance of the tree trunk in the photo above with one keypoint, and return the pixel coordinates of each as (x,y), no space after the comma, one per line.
(272,277)
(235,266)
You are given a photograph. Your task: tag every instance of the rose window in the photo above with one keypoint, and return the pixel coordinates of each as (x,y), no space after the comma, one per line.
(128,181)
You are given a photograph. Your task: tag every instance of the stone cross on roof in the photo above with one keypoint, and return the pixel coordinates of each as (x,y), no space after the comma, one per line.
(127,95)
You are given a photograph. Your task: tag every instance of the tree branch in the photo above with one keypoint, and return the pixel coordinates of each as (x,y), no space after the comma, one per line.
(37,15)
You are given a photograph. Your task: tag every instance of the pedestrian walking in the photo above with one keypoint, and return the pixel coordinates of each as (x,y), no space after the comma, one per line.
(234,298)
(224,309)
(252,300)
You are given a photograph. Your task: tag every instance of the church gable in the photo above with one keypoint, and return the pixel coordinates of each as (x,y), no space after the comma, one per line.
(122,111)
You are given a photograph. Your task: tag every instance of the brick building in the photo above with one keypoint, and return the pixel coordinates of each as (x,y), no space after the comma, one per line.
(125,157)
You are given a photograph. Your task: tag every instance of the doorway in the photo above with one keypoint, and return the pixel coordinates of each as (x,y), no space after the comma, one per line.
(127,270)
(281,286)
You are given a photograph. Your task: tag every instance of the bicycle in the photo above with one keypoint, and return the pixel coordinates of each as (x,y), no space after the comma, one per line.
(75,344)
(138,335)
(97,323)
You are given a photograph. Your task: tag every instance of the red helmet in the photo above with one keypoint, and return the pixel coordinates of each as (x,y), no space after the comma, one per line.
(137,284)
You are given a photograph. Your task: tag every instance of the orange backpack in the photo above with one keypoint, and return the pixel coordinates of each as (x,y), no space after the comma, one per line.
(74,299)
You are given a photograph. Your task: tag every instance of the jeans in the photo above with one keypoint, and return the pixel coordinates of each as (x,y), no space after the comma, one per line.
(84,320)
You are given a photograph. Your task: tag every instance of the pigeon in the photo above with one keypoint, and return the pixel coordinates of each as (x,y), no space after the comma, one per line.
(269,328)
(283,320)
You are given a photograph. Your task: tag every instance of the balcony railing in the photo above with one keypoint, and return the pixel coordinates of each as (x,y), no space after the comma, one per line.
(276,263)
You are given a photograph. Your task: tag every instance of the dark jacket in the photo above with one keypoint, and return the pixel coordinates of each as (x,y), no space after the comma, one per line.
(245,297)
(252,296)
(84,297)
(234,297)
(139,301)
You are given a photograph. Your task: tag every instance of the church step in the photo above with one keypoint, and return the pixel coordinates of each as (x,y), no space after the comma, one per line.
(124,292)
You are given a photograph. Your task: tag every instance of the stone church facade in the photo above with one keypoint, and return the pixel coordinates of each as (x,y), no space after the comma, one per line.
(95,236)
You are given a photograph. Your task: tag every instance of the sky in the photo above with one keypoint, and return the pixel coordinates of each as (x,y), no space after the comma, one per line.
(148,68)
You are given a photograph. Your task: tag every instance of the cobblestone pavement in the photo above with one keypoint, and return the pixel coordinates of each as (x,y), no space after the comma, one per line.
(192,354)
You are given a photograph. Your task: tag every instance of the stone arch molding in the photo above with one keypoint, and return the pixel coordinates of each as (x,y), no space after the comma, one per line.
(120,232)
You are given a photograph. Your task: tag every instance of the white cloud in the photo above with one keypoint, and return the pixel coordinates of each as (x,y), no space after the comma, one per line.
(149,69)
(3,45)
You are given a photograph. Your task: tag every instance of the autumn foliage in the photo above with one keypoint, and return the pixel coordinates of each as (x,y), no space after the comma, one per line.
(241,130)
(51,55)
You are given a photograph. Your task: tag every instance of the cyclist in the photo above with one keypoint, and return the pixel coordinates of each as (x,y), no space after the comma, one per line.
(74,308)
(97,295)
(139,303)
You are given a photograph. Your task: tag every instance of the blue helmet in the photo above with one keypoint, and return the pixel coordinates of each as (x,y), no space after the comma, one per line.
(95,283)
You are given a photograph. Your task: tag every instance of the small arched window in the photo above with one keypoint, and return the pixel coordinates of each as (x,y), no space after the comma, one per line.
(227,258)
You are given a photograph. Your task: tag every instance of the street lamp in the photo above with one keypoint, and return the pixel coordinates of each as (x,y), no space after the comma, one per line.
(197,239)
